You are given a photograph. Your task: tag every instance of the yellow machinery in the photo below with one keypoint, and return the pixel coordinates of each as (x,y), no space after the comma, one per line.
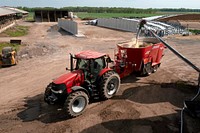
(8,57)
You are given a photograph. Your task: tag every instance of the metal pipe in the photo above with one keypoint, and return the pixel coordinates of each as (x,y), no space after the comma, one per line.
(141,24)
(138,33)
(175,52)
(182,120)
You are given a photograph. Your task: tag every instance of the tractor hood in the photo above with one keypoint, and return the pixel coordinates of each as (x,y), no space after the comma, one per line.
(69,77)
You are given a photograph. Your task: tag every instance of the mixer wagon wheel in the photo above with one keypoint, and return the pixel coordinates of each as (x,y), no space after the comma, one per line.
(155,68)
(109,84)
(76,103)
(146,69)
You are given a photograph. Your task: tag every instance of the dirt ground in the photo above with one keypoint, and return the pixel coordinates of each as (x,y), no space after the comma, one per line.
(191,25)
(143,105)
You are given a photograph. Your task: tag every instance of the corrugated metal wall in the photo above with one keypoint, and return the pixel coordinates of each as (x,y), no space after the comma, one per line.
(68,25)
(120,24)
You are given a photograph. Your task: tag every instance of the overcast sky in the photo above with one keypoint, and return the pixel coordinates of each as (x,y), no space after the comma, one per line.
(195,4)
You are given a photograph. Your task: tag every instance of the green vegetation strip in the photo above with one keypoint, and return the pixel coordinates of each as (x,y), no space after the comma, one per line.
(15,46)
(84,15)
(195,31)
(17,31)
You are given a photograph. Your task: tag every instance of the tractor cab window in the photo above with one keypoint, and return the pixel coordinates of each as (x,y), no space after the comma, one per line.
(82,64)
(99,63)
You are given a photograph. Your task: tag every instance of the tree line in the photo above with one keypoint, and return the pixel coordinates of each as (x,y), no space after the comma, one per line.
(110,9)
(179,10)
(93,9)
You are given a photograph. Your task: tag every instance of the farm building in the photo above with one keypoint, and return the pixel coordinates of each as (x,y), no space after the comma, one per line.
(19,13)
(8,15)
(49,15)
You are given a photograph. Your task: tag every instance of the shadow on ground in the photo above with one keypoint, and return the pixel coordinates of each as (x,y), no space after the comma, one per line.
(175,93)
(53,29)
(164,124)
(37,109)
(132,78)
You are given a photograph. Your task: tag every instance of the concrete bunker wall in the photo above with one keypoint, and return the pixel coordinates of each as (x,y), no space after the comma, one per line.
(68,25)
(119,24)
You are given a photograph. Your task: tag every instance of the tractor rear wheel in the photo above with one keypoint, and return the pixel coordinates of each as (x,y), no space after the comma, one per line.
(109,84)
(76,103)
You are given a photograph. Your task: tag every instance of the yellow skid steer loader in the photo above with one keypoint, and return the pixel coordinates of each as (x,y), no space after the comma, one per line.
(8,57)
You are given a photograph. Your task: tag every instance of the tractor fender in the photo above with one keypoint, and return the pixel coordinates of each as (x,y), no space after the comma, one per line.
(104,71)
(79,88)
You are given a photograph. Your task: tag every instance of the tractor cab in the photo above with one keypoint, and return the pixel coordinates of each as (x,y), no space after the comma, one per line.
(90,62)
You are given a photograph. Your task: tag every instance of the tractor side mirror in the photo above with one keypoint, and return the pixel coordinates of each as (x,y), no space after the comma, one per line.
(67,68)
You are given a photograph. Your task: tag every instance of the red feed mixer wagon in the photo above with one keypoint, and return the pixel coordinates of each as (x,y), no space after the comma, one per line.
(90,76)
(145,59)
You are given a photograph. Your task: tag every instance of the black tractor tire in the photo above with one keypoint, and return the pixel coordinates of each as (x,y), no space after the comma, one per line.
(47,93)
(76,103)
(109,84)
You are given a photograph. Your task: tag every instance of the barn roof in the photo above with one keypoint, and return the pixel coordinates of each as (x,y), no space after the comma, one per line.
(4,11)
(16,10)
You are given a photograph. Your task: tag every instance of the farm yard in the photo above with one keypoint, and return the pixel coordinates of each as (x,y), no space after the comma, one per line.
(150,104)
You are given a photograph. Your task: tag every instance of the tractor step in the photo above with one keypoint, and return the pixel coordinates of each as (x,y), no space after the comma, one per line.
(95,93)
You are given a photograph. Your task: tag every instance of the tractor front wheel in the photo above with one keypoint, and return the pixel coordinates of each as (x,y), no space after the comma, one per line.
(76,103)
(109,84)
(48,93)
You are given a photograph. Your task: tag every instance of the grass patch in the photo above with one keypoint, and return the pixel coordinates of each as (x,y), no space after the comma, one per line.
(16,31)
(84,15)
(15,46)
(30,17)
(196,32)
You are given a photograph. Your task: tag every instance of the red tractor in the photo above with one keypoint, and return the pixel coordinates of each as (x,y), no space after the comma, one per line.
(91,77)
